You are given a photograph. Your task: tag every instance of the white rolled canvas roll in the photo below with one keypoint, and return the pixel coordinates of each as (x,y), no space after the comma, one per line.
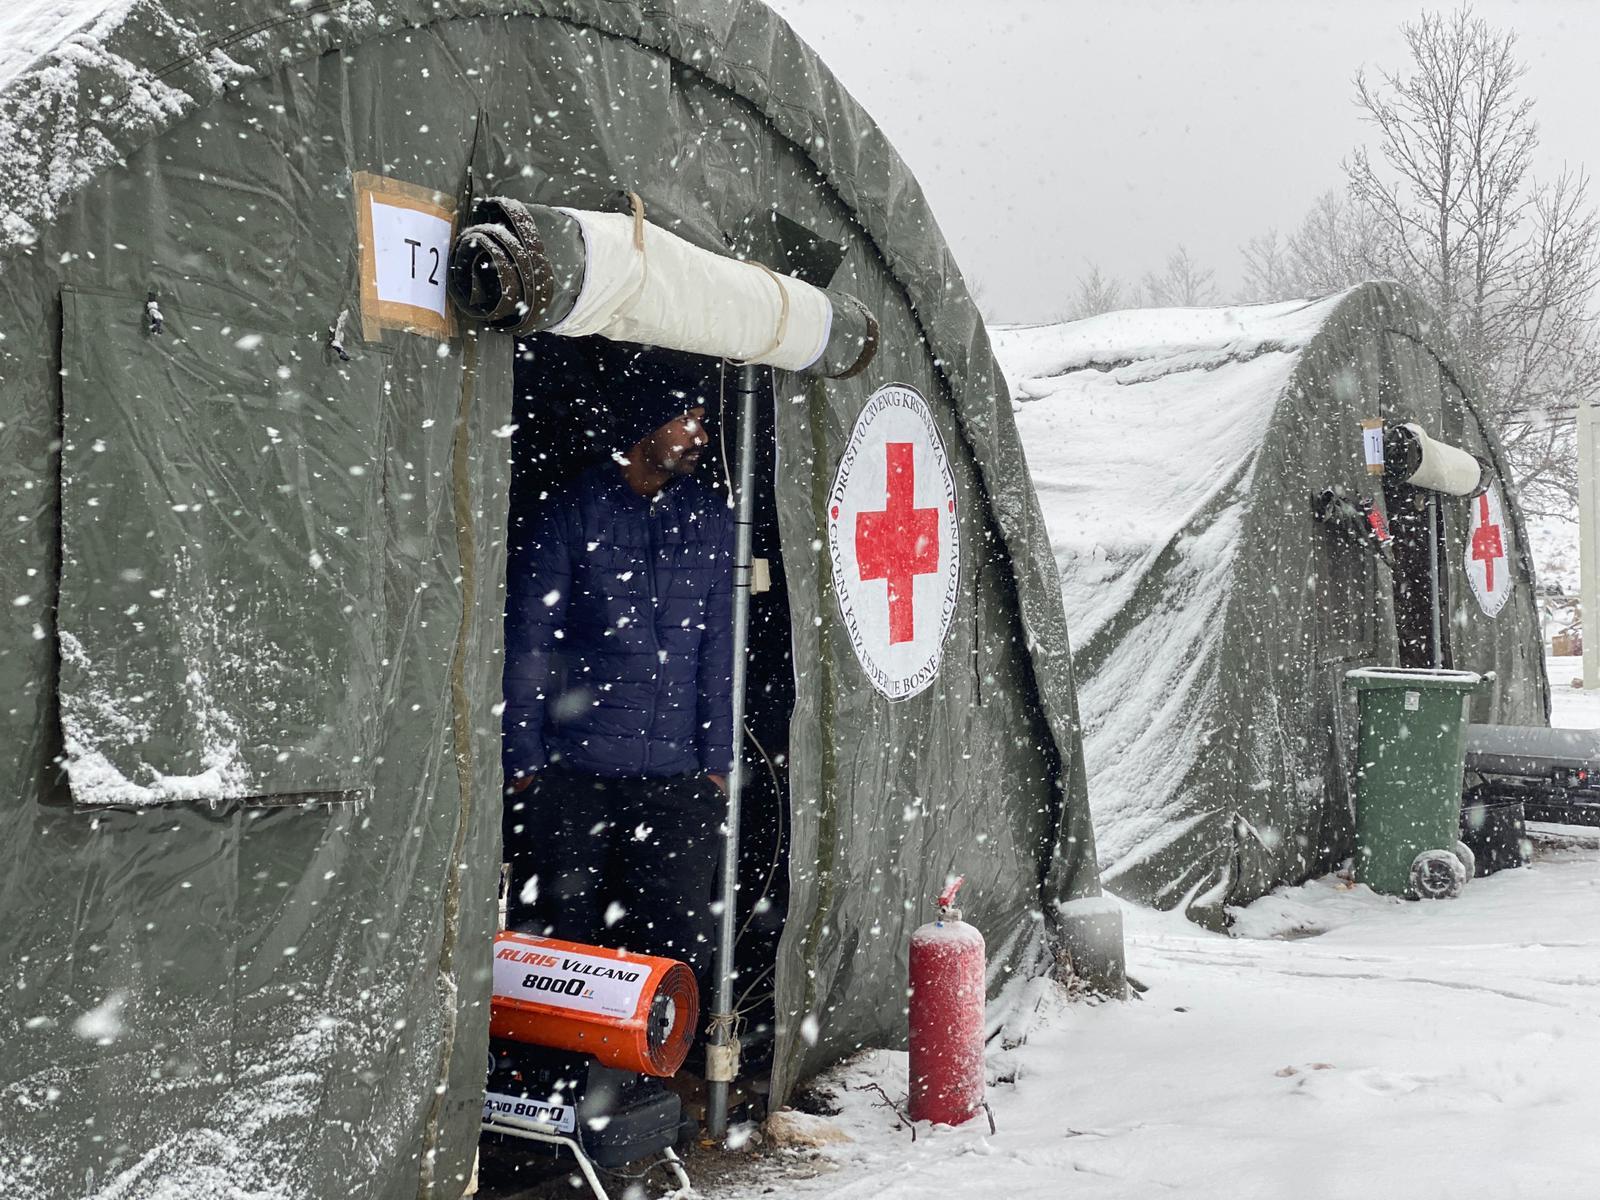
(1444,468)
(674,294)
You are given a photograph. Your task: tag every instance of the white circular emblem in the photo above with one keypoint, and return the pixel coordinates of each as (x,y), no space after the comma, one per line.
(1488,555)
(893,539)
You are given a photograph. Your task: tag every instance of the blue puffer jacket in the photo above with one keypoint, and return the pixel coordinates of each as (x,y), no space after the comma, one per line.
(619,633)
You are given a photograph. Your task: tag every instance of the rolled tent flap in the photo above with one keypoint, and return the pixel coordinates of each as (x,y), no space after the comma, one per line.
(530,268)
(1425,463)
(503,273)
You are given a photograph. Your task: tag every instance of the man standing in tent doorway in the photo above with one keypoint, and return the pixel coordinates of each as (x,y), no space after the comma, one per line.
(619,662)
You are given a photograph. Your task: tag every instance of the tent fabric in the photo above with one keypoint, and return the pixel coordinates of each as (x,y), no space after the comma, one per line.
(249,758)
(1177,453)
(178,523)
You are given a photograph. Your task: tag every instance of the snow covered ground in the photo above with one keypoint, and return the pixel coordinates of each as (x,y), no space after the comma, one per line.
(1555,554)
(1340,1044)
(1572,707)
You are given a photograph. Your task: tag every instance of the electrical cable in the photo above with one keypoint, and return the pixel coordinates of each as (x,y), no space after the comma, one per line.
(777,841)
(632,1176)
(739,1006)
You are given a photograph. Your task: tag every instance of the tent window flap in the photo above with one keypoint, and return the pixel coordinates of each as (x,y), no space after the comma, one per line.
(218,628)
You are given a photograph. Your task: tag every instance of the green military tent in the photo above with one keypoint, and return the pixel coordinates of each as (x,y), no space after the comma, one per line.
(1181,457)
(255,523)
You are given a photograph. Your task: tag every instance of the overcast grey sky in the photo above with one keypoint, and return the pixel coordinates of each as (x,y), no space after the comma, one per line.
(1050,134)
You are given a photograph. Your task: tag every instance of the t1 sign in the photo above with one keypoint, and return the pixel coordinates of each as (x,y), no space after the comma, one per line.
(406,233)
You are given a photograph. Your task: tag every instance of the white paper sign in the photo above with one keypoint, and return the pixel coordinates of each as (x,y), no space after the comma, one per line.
(894,542)
(405,232)
(411,253)
(1372,444)
(589,983)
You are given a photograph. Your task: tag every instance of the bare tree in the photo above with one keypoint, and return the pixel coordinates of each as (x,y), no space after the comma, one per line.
(1181,283)
(1268,273)
(1096,294)
(1336,245)
(1509,264)
(1455,138)
(1549,361)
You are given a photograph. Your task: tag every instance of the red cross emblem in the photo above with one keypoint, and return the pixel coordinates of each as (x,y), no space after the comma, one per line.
(899,541)
(1487,544)
(878,531)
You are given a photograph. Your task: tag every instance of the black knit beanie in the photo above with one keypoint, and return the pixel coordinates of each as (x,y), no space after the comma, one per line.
(644,387)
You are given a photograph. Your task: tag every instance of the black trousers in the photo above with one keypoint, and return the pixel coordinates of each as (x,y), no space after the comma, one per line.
(626,863)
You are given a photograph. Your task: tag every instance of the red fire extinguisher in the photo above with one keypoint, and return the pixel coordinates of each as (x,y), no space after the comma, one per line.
(947,996)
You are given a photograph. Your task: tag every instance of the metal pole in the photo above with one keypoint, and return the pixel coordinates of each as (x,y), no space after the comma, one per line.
(1589,539)
(1433,577)
(747,383)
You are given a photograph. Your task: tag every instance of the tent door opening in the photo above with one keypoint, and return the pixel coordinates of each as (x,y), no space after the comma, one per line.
(1416,522)
(561,418)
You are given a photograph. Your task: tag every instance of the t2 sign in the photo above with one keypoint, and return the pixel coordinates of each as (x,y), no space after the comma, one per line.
(406,233)
(398,275)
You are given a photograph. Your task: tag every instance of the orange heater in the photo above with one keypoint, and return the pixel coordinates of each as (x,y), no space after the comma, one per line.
(624,1010)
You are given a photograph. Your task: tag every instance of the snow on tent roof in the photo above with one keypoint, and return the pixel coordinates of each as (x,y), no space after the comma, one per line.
(68,101)
(1131,419)
(30,29)
(1175,452)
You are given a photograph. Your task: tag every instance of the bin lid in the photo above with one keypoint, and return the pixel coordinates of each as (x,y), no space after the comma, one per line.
(1413,678)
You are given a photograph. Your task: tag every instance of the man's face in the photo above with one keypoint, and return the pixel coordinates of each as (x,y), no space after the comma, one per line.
(675,447)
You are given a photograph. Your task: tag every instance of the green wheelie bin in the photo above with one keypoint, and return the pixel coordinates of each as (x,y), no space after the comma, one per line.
(1408,780)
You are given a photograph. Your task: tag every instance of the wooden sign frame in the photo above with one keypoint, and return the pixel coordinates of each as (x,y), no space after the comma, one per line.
(378,314)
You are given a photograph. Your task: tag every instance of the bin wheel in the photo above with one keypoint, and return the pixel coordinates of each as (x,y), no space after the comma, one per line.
(1437,875)
(1469,860)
